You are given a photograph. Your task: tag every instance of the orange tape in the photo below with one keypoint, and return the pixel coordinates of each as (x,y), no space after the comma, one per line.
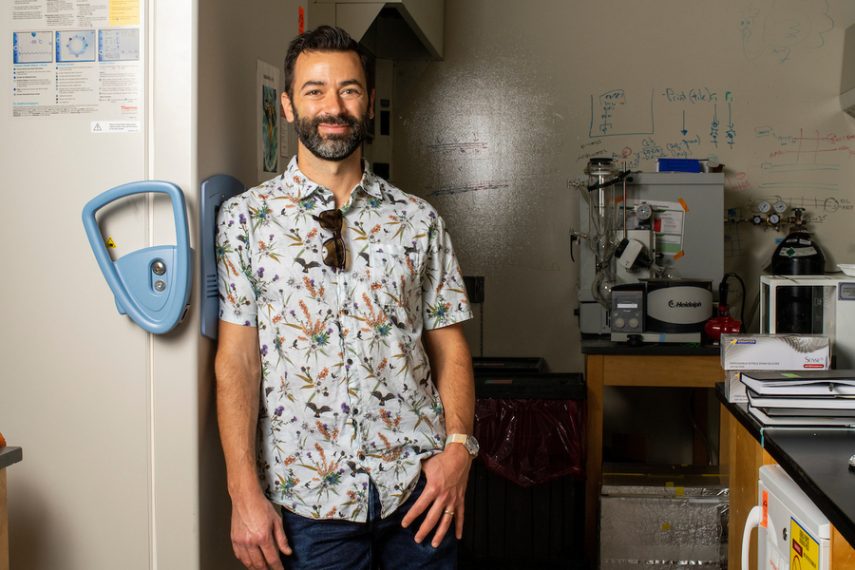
(764,517)
(683,204)
(301,20)
(679,254)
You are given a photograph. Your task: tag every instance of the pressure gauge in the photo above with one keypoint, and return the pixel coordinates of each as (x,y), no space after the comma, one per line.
(774,219)
(643,211)
(780,206)
(764,207)
(757,220)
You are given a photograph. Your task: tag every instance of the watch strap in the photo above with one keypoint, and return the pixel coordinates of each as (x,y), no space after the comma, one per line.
(456,438)
(469,443)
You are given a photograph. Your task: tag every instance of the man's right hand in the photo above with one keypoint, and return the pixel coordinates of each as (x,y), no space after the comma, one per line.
(257,533)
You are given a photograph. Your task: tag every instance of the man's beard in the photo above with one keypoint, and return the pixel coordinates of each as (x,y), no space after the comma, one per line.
(333,146)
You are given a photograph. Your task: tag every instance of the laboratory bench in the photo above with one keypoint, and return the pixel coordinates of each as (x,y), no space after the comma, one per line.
(649,365)
(8,456)
(816,459)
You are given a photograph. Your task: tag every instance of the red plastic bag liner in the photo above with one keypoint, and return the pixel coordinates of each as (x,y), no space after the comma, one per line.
(531,441)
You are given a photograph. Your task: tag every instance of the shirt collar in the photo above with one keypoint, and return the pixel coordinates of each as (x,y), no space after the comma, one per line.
(294,182)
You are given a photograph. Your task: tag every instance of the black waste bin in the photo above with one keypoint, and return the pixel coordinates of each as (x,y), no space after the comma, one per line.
(525,498)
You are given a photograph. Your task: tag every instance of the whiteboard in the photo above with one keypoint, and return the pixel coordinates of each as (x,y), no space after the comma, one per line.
(530,91)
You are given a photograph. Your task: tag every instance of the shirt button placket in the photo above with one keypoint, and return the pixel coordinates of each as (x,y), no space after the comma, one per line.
(345,322)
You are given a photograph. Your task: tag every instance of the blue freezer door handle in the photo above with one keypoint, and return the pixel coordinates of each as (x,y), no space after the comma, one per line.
(215,190)
(151,285)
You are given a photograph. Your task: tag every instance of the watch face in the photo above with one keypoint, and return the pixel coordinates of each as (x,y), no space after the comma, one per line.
(472,445)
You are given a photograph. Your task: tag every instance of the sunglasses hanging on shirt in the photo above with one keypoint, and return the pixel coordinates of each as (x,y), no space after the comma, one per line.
(335,253)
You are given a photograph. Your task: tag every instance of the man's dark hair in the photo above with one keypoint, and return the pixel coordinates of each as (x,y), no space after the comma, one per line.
(326,38)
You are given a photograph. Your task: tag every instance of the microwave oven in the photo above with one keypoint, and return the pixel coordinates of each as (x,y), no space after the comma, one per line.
(812,304)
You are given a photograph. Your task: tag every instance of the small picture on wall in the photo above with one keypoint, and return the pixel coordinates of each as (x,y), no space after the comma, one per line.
(267,111)
(269,128)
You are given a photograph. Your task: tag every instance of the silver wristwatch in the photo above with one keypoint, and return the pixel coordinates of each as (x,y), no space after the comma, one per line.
(468,441)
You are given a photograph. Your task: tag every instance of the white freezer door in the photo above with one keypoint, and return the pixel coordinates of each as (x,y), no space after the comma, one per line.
(792,532)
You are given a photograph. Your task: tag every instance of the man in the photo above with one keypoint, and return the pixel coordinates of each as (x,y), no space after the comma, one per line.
(331,282)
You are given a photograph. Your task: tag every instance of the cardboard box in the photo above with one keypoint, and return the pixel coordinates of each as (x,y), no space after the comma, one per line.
(770,352)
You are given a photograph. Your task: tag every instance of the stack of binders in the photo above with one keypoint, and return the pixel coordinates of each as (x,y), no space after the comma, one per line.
(802,398)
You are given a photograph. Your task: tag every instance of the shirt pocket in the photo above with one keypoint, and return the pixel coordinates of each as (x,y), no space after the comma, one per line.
(394,286)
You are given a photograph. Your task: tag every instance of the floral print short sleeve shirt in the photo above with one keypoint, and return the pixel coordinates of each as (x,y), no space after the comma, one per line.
(346,387)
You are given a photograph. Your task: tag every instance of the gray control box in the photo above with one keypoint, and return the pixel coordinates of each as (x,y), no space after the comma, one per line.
(627,314)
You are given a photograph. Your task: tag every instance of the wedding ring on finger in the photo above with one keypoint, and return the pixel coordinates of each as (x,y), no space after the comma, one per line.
(449,513)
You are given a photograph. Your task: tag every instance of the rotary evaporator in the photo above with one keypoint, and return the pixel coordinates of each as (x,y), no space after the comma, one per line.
(650,253)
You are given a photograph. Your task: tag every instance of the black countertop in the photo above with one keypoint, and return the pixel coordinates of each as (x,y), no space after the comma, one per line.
(604,346)
(817,459)
(9,456)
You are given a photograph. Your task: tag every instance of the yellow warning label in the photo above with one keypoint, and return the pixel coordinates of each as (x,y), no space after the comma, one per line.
(110,243)
(805,548)
(124,12)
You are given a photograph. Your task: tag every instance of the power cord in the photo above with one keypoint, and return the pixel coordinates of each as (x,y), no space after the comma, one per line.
(481,332)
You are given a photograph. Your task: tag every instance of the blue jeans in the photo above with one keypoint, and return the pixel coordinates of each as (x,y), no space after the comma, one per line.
(377,543)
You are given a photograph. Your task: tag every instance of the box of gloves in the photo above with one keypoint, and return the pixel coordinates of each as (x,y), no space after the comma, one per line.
(769,352)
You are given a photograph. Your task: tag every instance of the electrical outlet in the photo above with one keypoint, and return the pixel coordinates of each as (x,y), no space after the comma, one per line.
(474,288)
